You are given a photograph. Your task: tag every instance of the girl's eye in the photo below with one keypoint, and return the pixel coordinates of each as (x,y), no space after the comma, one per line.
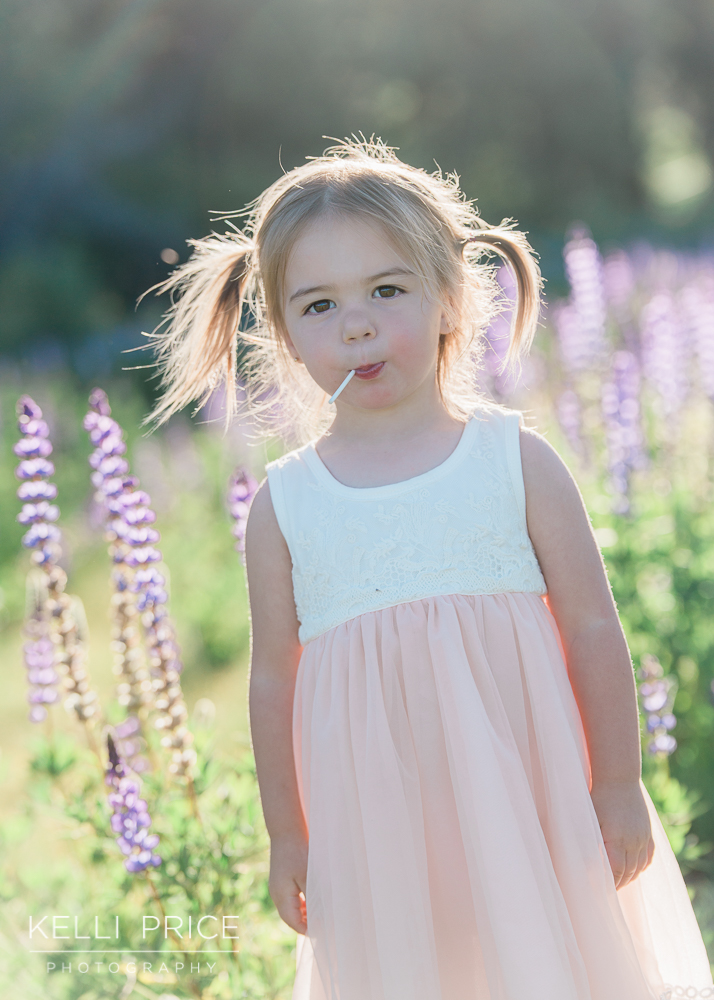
(387,291)
(320,307)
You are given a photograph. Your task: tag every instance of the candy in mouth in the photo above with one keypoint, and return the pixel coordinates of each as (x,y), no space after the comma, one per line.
(369,371)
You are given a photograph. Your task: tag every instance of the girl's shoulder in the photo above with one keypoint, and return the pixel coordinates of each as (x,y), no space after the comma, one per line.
(488,411)
(293,457)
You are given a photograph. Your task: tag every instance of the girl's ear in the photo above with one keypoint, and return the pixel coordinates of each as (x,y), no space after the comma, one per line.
(446,324)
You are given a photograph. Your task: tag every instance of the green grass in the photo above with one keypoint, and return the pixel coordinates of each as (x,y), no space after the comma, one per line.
(660,563)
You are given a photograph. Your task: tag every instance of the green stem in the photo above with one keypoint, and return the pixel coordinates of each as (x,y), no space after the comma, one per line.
(193,798)
(157,898)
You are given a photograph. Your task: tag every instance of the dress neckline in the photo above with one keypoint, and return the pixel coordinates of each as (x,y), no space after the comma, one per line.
(415,482)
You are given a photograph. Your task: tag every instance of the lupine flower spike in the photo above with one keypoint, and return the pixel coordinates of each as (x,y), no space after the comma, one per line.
(134,689)
(584,269)
(243,488)
(657,694)
(569,411)
(55,624)
(43,539)
(698,301)
(130,816)
(574,354)
(665,350)
(129,521)
(621,414)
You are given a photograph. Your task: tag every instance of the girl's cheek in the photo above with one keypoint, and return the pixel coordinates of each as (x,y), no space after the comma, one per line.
(410,343)
(321,359)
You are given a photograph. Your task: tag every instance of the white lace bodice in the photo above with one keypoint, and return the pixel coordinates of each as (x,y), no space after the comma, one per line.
(458,529)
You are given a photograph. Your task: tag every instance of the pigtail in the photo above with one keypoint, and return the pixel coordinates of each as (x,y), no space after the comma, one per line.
(513,247)
(198,347)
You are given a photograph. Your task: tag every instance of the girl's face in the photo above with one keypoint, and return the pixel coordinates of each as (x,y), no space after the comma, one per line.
(351,301)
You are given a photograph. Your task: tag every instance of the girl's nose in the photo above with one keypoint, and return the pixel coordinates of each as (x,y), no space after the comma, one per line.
(358,324)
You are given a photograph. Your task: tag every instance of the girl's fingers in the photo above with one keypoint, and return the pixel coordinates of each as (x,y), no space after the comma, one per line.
(631,870)
(617,858)
(289,901)
(646,855)
(292,912)
(641,864)
(298,913)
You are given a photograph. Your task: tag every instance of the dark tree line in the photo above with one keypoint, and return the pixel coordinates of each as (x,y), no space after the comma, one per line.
(125,121)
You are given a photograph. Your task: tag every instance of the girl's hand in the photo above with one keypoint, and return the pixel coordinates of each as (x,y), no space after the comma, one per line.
(625,824)
(288,873)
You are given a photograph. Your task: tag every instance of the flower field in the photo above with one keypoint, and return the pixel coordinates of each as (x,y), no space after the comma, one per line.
(129,787)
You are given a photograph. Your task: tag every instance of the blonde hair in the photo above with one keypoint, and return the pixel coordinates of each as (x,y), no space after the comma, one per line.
(230,292)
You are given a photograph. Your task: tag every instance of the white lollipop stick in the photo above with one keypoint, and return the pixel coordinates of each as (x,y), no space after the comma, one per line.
(333,398)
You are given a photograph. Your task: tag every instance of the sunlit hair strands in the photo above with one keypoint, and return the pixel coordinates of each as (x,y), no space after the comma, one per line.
(229,294)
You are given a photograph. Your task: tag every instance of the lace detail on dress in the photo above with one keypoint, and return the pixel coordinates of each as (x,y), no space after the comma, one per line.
(462,532)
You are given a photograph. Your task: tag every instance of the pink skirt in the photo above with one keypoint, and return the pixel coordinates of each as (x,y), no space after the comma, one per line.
(454,850)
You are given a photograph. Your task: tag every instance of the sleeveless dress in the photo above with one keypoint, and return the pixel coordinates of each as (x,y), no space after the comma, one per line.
(454,851)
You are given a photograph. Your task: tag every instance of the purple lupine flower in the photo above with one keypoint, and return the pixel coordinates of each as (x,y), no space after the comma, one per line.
(39,655)
(33,448)
(574,346)
(698,303)
(43,538)
(664,350)
(619,285)
(114,497)
(129,738)
(243,488)
(130,816)
(129,520)
(584,324)
(142,556)
(55,639)
(34,467)
(35,489)
(623,433)
(657,696)
(150,586)
(569,412)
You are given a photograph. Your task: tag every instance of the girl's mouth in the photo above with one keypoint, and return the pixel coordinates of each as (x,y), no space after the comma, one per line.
(369,371)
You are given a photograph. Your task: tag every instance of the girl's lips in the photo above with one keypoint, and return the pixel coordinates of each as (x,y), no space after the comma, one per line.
(369,371)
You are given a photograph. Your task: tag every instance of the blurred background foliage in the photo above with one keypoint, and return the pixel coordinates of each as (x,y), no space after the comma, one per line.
(124,122)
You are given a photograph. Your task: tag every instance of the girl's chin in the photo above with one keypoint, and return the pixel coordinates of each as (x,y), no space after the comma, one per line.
(372,400)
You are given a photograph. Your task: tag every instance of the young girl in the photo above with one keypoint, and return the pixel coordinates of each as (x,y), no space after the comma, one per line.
(442,701)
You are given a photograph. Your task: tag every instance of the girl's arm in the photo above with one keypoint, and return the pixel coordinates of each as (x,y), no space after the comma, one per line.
(598,660)
(275,653)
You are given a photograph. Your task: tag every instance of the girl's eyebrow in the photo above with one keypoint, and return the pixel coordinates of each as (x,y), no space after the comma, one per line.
(368,281)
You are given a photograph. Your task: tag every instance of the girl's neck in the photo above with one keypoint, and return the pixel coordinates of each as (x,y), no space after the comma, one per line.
(380,447)
(409,421)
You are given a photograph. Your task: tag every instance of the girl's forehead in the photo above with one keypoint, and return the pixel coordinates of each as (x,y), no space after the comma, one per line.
(338,246)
